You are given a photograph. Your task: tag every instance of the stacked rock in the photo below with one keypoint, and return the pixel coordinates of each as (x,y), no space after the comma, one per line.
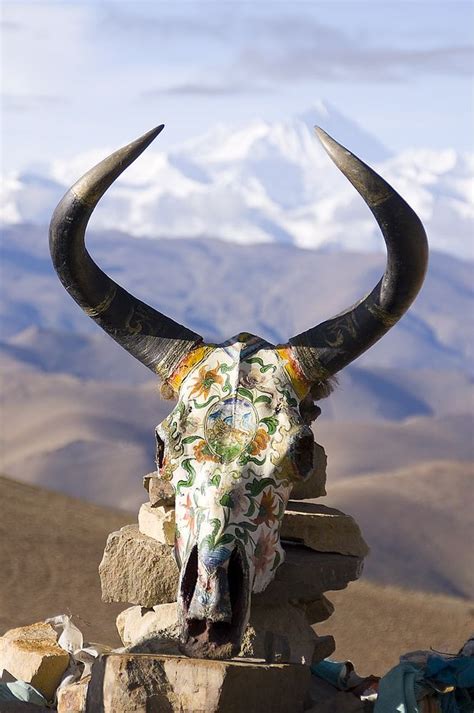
(324,551)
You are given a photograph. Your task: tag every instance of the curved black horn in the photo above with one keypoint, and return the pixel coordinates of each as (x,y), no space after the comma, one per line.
(155,340)
(325,349)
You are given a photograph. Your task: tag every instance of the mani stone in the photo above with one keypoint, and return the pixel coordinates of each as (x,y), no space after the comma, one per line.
(137,569)
(160,491)
(315,485)
(275,634)
(141,683)
(158,522)
(137,623)
(72,698)
(31,654)
(323,529)
(315,611)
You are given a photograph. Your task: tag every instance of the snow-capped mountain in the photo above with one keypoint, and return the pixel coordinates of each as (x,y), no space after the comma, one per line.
(262,182)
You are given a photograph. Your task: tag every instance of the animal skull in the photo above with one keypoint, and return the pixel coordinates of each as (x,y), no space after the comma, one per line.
(239,436)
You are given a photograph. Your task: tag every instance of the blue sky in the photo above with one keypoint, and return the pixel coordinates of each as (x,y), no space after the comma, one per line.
(80,75)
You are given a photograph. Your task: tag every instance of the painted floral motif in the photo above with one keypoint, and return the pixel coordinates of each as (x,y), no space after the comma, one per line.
(204,382)
(227,445)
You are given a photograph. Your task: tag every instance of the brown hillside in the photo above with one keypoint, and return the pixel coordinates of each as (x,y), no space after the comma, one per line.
(418,522)
(51,544)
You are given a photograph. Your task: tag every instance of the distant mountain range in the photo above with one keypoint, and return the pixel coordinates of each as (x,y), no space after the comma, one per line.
(220,289)
(261,182)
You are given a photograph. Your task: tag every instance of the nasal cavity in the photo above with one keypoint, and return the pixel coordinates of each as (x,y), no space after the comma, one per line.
(215,597)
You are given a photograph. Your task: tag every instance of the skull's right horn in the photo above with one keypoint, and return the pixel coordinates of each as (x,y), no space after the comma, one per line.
(151,337)
(330,346)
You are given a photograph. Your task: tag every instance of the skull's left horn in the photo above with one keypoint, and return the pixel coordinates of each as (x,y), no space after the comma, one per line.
(151,337)
(330,346)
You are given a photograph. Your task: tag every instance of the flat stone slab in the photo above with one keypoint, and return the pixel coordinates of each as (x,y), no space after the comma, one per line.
(315,611)
(157,521)
(323,529)
(274,634)
(137,569)
(306,573)
(173,684)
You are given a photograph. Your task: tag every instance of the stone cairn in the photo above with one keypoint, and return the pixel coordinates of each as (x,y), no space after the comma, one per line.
(324,551)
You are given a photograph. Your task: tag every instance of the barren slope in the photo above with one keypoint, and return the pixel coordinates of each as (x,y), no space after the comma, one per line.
(50,547)
(418,522)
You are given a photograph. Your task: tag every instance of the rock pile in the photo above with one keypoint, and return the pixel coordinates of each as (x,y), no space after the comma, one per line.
(324,551)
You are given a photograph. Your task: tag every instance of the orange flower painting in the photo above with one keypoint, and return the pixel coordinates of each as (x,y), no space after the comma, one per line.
(266,512)
(202,453)
(205,380)
(260,442)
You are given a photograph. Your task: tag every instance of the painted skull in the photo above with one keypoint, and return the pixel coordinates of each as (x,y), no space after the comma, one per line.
(236,440)
(232,448)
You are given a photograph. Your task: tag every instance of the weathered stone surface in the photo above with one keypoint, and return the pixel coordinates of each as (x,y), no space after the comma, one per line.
(72,698)
(31,654)
(275,634)
(137,623)
(137,569)
(160,491)
(315,611)
(278,634)
(315,486)
(323,529)
(308,573)
(158,522)
(143,683)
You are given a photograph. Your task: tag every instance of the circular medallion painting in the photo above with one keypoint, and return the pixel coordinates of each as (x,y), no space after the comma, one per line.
(230,427)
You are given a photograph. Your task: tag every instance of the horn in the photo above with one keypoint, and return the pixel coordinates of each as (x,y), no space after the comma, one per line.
(330,346)
(151,337)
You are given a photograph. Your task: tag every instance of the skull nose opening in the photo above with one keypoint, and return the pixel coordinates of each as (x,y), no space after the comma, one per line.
(206,637)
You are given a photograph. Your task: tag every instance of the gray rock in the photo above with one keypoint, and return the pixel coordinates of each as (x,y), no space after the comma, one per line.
(137,569)
(171,684)
(323,529)
(315,611)
(160,491)
(315,485)
(72,698)
(158,522)
(306,573)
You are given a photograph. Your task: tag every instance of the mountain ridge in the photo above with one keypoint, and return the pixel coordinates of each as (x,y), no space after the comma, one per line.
(261,182)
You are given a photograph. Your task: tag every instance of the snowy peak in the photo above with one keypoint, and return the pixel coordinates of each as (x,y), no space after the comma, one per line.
(262,182)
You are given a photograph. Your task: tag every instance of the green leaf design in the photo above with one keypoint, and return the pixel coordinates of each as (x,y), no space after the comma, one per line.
(191,439)
(248,526)
(263,398)
(271,422)
(242,391)
(225,539)
(216,479)
(242,535)
(263,367)
(251,509)
(258,485)
(206,403)
(187,465)
(226,500)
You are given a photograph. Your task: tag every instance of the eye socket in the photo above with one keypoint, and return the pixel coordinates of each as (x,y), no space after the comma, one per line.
(160,450)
